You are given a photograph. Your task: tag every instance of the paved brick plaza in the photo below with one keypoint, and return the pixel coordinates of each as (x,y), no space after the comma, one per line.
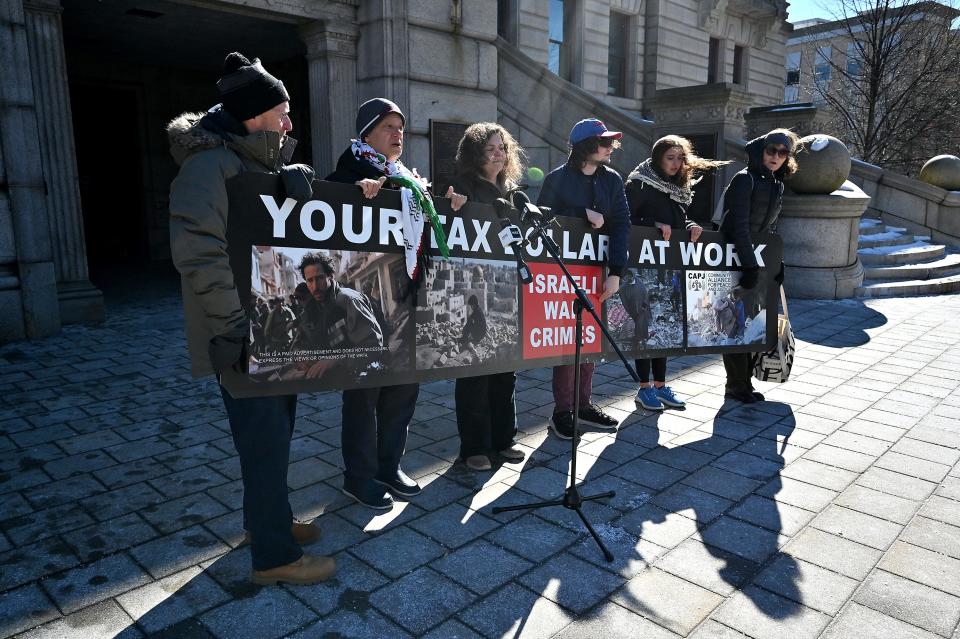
(832,510)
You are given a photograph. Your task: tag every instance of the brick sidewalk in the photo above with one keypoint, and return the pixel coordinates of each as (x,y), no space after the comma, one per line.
(832,510)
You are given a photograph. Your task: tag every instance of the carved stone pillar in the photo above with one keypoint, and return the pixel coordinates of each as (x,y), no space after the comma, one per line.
(332,59)
(28,294)
(79,300)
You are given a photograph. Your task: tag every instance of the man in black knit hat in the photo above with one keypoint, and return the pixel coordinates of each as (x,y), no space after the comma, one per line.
(246,132)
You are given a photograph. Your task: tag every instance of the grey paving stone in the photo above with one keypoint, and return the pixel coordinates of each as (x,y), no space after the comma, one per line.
(26,563)
(515,611)
(882,505)
(186,482)
(103,620)
(858,527)
(349,590)
(913,466)
(674,603)
(711,629)
(452,629)
(712,568)
(43,435)
(924,450)
(532,537)
(649,474)
(859,443)
(130,473)
(785,490)
(346,623)
(64,491)
(933,535)
(656,525)
(271,612)
(24,608)
(806,583)
(454,525)
(166,555)
(631,555)
(864,623)
(949,488)
(942,509)
(398,551)
(378,521)
(121,501)
(840,458)
(437,599)
(908,601)
(45,523)
(226,463)
(691,502)
(764,615)
(923,566)
(819,474)
(103,579)
(76,464)
(21,480)
(481,566)
(748,465)
(681,458)
(721,482)
(894,483)
(612,621)
(767,513)
(169,516)
(572,583)
(873,429)
(834,553)
(740,538)
(105,538)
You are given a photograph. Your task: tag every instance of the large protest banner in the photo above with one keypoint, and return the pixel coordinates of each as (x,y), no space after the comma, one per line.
(358,326)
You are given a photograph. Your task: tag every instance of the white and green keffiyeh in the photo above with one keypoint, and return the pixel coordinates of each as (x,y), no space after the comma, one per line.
(645,173)
(416,204)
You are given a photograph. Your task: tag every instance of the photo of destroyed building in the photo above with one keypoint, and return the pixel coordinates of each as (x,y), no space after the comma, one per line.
(647,312)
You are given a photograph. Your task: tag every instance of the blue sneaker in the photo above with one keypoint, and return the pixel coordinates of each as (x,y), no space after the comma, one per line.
(667,397)
(648,398)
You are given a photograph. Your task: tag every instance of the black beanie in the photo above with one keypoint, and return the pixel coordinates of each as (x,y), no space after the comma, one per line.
(246,89)
(372,111)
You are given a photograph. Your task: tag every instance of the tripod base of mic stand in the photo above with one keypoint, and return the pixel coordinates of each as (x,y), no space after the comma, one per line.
(572,499)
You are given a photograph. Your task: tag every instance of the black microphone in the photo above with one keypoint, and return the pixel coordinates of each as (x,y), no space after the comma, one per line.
(511,236)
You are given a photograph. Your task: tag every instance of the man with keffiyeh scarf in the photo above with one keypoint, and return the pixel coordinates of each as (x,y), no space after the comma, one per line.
(375,420)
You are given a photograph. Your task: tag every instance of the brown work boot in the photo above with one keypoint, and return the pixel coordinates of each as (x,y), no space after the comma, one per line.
(309,569)
(303,534)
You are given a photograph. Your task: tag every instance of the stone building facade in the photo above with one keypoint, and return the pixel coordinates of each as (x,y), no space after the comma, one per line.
(84,164)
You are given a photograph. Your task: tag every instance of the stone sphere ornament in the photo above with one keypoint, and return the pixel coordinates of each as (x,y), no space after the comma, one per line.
(823,164)
(942,171)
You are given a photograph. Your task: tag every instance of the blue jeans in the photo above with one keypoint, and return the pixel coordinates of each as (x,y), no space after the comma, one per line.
(261,428)
(374,430)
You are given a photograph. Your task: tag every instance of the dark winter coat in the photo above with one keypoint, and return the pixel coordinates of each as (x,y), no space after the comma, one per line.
(752,203)
(568,192)
(211,148)
(649,205)
(350,170)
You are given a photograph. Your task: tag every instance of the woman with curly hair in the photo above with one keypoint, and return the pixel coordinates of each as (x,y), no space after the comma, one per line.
(489,165)
(751,204)
(659,192)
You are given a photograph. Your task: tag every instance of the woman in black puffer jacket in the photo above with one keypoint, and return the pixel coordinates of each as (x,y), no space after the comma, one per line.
(751,204)
(659,193)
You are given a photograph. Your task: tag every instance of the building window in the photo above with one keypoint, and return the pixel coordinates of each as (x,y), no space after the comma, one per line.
(617,53)
(557,59)
(713,61)
(791,91)
(507,20)
(738,62)
(854,60)
(821,66)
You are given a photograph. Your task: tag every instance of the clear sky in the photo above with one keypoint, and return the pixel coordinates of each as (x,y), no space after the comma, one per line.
(806,9)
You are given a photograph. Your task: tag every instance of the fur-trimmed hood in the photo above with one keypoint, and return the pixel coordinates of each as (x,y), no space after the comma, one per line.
(191,133)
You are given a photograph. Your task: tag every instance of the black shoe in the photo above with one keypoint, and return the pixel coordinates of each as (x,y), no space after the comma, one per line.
(591,413)
(400,485)
(367,492)
(758,396)
(741,396)
(562,424)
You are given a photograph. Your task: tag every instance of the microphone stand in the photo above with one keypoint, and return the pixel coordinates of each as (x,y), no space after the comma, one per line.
(572,499)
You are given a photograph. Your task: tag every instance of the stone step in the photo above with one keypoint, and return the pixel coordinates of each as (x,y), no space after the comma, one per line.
(885,238)
(867,223)
(947,265)
(908,288)
(901,254)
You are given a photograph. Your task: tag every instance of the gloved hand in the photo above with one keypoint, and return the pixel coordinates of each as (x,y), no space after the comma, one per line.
(229,351)
(779,276)
(298,181)
(749,278)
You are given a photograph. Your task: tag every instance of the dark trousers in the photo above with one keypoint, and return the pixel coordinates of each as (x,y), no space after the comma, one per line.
(261,428)
(486,412)
(659,365)
(563,391)
(739,367)
(374,430)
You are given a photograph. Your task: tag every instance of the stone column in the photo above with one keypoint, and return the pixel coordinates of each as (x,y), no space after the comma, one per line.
(332,59)
(79,300)
(28,303)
